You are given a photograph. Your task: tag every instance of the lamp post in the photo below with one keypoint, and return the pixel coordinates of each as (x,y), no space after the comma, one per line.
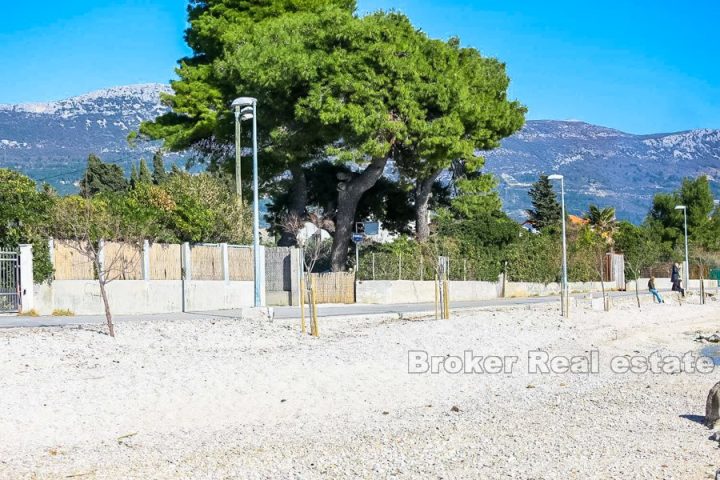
(565,301)
(246,108)
(687,260)
(241,113)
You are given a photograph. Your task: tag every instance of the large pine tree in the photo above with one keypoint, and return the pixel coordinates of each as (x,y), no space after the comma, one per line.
(546,211)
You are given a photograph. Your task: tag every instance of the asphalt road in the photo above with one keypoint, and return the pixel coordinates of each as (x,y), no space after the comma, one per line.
(13,321)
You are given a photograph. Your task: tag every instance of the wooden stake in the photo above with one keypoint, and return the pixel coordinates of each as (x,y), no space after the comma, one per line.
(437,299)
(315,329)
(302,303)
(446,298)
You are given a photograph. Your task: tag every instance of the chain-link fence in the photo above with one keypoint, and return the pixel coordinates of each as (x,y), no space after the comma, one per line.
(398,266)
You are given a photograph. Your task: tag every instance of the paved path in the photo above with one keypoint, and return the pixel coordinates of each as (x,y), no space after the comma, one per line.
(8,321)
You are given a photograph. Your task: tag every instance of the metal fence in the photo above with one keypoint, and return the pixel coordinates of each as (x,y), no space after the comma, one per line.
(397,266)
(9,282)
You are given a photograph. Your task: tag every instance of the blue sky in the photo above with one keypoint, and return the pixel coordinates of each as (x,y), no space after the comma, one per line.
(642,66)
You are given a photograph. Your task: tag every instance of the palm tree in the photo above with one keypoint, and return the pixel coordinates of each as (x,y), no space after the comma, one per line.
(603,221)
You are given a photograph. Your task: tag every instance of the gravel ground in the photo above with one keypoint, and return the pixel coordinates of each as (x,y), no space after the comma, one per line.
(218,398)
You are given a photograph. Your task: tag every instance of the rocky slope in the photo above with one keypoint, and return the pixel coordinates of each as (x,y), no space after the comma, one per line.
(52,140)
(601,165)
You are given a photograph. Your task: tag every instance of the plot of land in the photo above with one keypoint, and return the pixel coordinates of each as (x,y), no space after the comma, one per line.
(220,398)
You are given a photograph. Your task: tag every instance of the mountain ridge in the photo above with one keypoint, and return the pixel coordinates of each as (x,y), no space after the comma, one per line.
(601,165)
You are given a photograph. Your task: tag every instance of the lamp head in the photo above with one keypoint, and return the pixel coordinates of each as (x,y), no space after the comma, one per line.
(246,113)
(680,207)
(555,176)
(243,102)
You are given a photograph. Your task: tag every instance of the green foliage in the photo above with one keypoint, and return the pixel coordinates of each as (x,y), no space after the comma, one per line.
(133,176)
(24,213)
(546,211)
(586,252)
(101,177)
(476,196)
(602,221)
(668,223)
(206,210)
(640,247)
(159,173)
(535,258)
(482,240)
(144,175)
(192,208)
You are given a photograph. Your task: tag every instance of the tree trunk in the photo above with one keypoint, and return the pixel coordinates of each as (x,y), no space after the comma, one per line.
(637,293)
(350,190)
(606,307)
(423,190)
(106,304)
(298,203)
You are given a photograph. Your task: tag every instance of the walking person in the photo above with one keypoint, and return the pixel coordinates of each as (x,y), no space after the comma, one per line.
(675,279)
(653,290)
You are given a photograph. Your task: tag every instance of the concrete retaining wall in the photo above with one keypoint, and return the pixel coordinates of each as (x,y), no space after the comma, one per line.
(411,291)
(664,284)
(408,291)
(128,297)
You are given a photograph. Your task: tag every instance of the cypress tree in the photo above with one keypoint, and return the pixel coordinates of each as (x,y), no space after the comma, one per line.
(133,176)
(546,211)
(102,177)
(159,174)
(144,175)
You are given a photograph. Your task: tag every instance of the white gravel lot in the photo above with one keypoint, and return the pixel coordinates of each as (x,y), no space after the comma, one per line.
(221,398)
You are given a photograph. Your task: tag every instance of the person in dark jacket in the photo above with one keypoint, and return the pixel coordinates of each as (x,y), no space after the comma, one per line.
(653,290)
(675,279)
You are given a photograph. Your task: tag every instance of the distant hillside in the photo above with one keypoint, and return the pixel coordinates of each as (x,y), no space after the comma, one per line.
(603,166)
(52,140)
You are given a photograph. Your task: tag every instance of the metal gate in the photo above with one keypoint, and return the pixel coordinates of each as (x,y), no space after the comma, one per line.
(9,282)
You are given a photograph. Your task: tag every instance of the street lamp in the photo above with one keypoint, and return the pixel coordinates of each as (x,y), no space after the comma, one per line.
(241,113)
(565,289)
(687,262)
(245,109)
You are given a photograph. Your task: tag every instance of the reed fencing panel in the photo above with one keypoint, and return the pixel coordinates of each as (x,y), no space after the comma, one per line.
(165,261)
(334,287)
(206,262)
(69,263)
(122,261)
(240,260)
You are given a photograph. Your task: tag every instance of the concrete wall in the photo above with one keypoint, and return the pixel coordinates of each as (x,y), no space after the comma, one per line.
(408,291)
(528,289)
(665,284)
(127,297)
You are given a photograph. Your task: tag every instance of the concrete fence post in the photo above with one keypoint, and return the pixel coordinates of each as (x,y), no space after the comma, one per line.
(296,270)
(225,262)
(51,249)
(27,283)
(261,254)
(186,260)
(146,260)
(186,273)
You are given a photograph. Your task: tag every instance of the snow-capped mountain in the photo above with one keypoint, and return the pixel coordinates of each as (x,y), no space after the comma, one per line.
(601,165)
(52,140)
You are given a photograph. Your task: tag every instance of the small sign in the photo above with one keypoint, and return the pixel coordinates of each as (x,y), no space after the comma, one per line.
(357,238)
(372,228)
